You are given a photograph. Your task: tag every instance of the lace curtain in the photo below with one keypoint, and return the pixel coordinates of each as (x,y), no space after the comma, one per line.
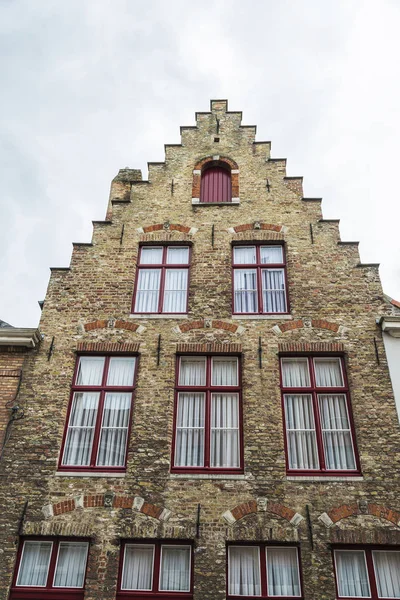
(282,572)
(175,292)
(71,564)
(175,569)
(224,430)
(138,567)
(387,573)
(34,564)
(70,568)
(244,571)
(352,574)
(148,289)
(189,445)
(273,290)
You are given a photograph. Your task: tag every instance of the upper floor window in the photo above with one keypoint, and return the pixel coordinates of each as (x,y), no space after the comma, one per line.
(216,184)
(318,421)
(367,573)
(162,279)
(208,414)
(259,280)
(97,433)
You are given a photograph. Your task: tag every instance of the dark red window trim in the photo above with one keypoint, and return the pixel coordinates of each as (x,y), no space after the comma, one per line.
(155,593)
(103,388)
(208,389)
(216,183)
(49,592)
(263,569)
(313,390)
(163,266)
(258,266)
(370,568)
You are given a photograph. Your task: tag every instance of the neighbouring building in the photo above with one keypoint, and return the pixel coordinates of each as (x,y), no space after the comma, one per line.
(209,414)
(391,337)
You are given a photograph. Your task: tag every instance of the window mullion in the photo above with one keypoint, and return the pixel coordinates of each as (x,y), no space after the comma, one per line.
(156,568)
(263,571)
(318,431)
(97,429)
(207,432)
(52,564)
(371,575)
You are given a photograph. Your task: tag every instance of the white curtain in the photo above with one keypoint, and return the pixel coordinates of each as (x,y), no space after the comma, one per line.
(175,568)
(148,290)
(336,432)
(82,421)
(351,573)
(245,284)
(175,292)
(151,256)
(244,571)
(192,371)
(138,567)
(273,289)
(243,255)
(177,255)
(272,255)
(114,430)
(387,573)
(90,370)
(295,372)
(224,430)
(34,564)
(282,572)
(189,443)
(300,431)
(121,371)
(224,371)
(71,564)
(328,372)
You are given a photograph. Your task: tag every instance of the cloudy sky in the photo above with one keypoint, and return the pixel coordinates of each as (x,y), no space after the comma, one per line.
(90,86)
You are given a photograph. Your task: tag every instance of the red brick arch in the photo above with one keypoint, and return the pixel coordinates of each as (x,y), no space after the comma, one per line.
(349,510)
(208,323)
(300,323)
(168,227)
(260,226)
(254,507)
(199,166)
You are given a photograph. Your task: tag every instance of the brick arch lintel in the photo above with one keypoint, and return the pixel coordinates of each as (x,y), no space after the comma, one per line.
(136,503)
(167,226)
(216,157)
(209,324)
(349,510)
(113,324)
(199,166)
(308,323)
(258,225)
(259,506)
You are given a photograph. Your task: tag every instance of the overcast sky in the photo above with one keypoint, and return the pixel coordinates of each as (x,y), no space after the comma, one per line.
(91,86)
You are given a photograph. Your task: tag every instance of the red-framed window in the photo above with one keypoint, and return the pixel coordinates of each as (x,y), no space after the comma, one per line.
(99,415)
(208,415)
(317,415)
(259,279)
(155,569)
(162,280)
(50,569)
(367,572)
(263,571)
(216,185)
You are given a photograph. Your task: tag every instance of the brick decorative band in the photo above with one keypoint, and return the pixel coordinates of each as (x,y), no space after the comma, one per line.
(202,348)
(9,373)
(311,347)
(168,227)
(349,510)
(208,323)
(258,226)
(112,324)
(299,324)
(102,347)
(99,324)
(262,505)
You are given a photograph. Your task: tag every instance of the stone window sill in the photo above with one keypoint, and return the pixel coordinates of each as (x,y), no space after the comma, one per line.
(87,474)
(158,316)
(322,478)
(205,476)
(235,202)
(276,317)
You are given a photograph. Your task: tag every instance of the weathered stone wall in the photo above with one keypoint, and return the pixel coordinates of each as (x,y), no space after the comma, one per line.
(334,302)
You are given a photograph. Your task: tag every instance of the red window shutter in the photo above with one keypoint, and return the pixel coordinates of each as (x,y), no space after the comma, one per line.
(216,185)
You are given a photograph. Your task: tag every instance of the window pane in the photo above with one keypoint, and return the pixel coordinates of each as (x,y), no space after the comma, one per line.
(175,568)
(71,564)
(273,288)
(192,371)
(177,256)
(282,572)
(121,371)
(328,372)
(138,567)
(351,573)
(336,433)
(151,256)
(34,564)
(271,254)
(243,255)
(90,370)
(189,444)
(224,371)
(295,372)
(300,431)
(114,430)
(245,282)
(244,571)
(387,573)
(175,293)
(79,441)
(148,290)
(224,430)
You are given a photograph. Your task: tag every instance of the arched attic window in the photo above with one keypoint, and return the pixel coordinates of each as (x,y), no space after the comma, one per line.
(216,184)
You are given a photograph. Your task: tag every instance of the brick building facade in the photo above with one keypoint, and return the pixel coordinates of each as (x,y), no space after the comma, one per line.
(209,414)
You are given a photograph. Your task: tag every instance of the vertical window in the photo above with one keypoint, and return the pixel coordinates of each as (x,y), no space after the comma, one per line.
(50,564)
(259,280)
(162,279)
(156,568)
(319,431)
(96,436)
(208,414)
(263,571)
(368,573)
(216,185)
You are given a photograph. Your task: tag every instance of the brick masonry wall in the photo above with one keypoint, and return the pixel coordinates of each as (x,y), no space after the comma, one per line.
(11,363)
(334,302)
